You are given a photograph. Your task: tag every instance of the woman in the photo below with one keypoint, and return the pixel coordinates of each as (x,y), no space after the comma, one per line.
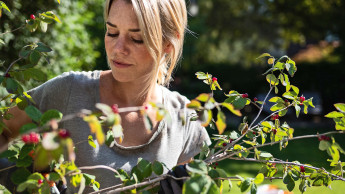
(143,42)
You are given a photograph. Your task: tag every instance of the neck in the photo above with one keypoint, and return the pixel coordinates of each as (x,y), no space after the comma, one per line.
(131,93)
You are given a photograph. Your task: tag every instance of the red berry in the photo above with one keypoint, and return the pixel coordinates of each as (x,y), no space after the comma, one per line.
(26,138)
(214,167)
(115,108)
(34,137)
(39,181)
(302,168)
(301,99)
(254,133)
(216,164)
(230,140)
(255,99)
(32,16)
(245,95)
(274,131)
(214,79)
(224,144)
(7,75)
(274,117)
(286,100)
(63,133)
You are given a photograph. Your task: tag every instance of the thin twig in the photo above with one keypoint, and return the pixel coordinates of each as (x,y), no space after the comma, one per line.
(271,115)
(9,68)
(262,107)
(99,166)
(7,168)
(13,30)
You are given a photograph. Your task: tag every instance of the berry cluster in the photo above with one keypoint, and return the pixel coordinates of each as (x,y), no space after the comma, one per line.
(301,100)
(302,168)
(324,138)
(244,95)
(63,133)
(31,138)
(115,108)
(274,117)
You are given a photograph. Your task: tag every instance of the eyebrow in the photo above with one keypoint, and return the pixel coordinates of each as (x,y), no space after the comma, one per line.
(131,30)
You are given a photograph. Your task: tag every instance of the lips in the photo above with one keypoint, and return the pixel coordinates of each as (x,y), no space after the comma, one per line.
(120,64)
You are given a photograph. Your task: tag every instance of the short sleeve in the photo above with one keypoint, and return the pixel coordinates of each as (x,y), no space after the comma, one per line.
(53,94)
(194,137)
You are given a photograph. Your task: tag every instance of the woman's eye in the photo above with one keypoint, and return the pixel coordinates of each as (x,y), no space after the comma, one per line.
(137,41)
(112,35)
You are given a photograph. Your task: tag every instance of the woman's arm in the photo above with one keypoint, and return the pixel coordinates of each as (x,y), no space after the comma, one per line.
(14,124)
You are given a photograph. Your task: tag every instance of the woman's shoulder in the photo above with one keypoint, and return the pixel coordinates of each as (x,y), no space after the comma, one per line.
(174,99)
(79,75)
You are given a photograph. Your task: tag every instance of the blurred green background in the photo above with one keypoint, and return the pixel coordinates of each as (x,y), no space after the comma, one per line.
(225,39)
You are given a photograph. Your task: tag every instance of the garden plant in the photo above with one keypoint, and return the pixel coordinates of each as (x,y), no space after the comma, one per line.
(44,154)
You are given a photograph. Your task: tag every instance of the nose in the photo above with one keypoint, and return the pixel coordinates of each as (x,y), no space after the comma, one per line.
(121,46)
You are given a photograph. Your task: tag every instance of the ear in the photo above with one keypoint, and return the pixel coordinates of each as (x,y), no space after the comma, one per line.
(168,47)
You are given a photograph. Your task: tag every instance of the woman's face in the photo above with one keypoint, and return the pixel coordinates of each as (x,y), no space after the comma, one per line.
(127,54)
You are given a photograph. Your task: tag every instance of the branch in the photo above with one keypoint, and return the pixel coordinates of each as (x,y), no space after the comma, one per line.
(288,163)
(98,166)
(271,115)
(9,68)
(219,157)
(262,107)
(13,30)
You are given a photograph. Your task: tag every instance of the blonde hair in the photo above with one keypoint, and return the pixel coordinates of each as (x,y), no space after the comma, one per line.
(162,22)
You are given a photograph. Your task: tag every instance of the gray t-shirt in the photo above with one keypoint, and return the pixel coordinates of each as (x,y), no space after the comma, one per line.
(172,143)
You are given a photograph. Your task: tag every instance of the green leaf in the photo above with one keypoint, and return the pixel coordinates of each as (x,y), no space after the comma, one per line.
(3,5)
(319,181)
(20,175)
(157,168)
(95,127)
(145,167)
(109,138)
(35,74)
(24,162)
(27,128)
(232,109)
(201,75)
(264,55)
(123,175)
(21,102)
(265,155)
(203,97)
(276,100)
(4,190)
(278,106)
(253,189)
(41,47)
(194,104)
(220,123)
(291,67)
(29,184)
(8,154)
(340,107)
(197,166)
(11,85)
(33,113)
(35,57)
(272,79)
(51,114)
(259,178)
(44,26)
(91,142)
(196,184)
(239,103)
(295,89)
(51,15)
(245,185)
(280,66)
(290,95)
(1,41)
(298,109)
(267,124)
